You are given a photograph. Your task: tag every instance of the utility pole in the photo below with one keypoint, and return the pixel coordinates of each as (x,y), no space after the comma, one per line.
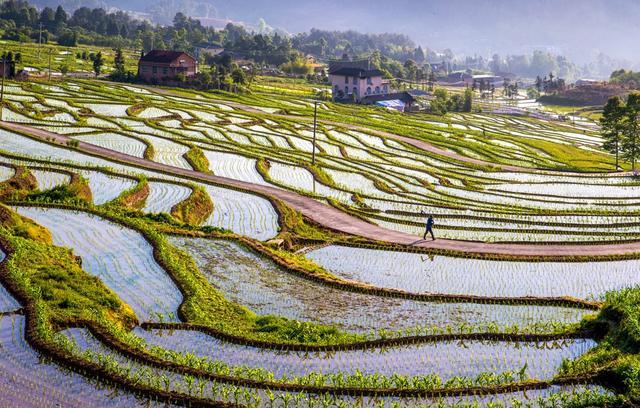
(39,42)
(50,51)
(315,125)
(4,71)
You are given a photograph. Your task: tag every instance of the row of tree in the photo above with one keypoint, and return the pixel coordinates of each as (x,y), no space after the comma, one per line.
(22,22)
(333,44)
(620,125)
(549,83)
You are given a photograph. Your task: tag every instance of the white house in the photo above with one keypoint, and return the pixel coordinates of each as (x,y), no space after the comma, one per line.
(357,83)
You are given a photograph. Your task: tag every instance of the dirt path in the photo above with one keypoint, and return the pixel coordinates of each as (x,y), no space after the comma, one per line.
(333,218)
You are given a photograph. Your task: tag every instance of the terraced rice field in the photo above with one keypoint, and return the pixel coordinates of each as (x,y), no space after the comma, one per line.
(164,196)
(242,213)
(262,287)
(28,379)
(260,297)
(48,180)
(6,173)
(115,142)
(362,163)
(447,359)
(441,274)
(118,256)
(104,187)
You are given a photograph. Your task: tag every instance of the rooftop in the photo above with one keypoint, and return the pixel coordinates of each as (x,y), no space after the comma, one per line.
(357,72)
(163,56)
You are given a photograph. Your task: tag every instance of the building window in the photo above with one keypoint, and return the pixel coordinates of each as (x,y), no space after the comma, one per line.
(355,90)
(355,81)
(377,89)
(155,70)
(369,82)
(368,90)
(346,90)
(346,80)
(335,89)
(385,89)
(165,71)
(145,68)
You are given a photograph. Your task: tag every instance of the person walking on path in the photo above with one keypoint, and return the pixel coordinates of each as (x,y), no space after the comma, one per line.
(429,228)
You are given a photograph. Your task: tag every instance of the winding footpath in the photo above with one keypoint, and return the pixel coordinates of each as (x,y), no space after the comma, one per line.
(331,217)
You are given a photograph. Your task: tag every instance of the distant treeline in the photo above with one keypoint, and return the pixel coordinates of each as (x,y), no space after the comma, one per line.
(629,79)
(20,21)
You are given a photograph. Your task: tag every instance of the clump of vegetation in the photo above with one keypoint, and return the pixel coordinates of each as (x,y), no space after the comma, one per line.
(135,110)
(134,198)
(194,210)
(196,158)
(444,102)
(18,186)
(296,331)
(77,191)
(23,227)
(70,293)
(320,175)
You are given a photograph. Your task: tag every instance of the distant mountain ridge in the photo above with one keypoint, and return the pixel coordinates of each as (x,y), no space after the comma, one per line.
(579,29)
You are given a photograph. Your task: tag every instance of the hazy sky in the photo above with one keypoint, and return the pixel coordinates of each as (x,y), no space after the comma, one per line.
(576,28)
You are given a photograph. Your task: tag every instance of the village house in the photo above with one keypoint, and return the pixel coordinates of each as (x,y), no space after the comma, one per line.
(354,81)
(159,65)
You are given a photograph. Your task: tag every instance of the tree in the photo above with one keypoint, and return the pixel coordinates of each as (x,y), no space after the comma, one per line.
(533,93)
(539,83)
(612,126)
(439,104)
(98,62)
(322,43)
(118,63)
(238,76)
(411,69)
(468,100)
(47,18)
(419,55)
(630,142)
(496,63)
(61,16)
(68,38)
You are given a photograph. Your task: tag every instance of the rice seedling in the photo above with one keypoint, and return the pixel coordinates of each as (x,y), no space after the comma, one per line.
(266,289)
(441,274)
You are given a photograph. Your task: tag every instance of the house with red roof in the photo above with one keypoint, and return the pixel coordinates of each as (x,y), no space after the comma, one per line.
(161,65)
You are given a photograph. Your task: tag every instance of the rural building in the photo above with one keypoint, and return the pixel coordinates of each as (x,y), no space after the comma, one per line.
(356,83)
(22,75)
(588,81)
(159,65)
(458,78)
(212,51)
(405,101)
